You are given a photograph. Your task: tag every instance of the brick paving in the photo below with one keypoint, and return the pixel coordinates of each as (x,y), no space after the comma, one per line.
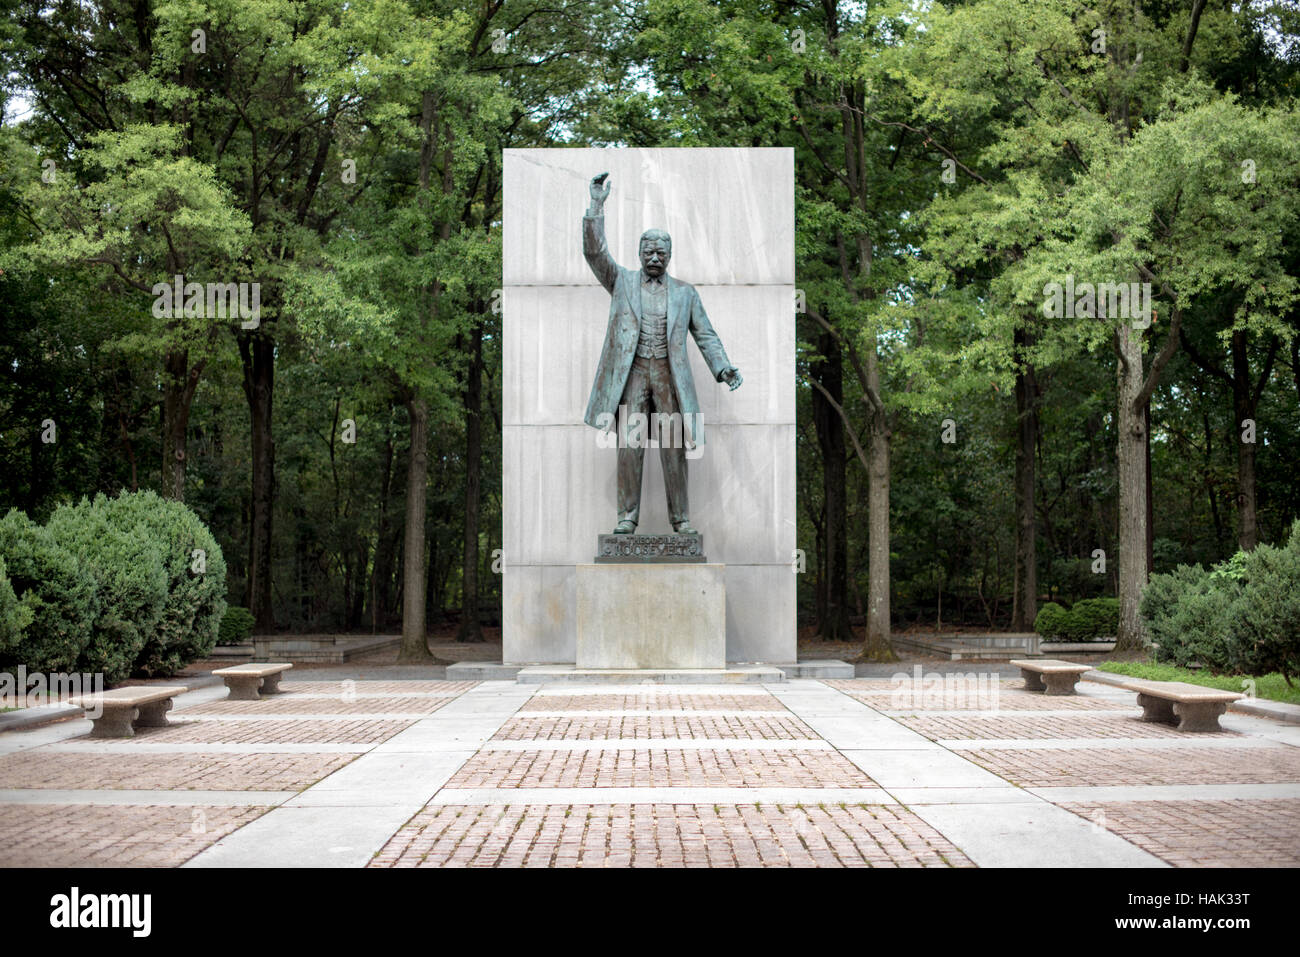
(535,728)
(147,835)
(270,731)
(1205,833)
(1105,767)
(910,700)
(49,835)
(668,835)
(294,704)
(658,768)
(1045,726)
(183,772)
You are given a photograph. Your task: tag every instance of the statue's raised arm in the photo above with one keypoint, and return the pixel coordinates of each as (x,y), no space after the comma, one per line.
(593,234)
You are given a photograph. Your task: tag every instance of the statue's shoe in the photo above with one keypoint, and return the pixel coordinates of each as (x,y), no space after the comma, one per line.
(625,528)
(684,528)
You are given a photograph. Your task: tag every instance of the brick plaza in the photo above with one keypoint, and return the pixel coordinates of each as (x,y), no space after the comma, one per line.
(377,772)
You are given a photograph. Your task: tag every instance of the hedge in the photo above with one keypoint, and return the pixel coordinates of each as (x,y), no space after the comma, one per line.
(1088,619)
(1240,617)
(128,585)
(127,565)
(57,592)
(236,626)
(196,579)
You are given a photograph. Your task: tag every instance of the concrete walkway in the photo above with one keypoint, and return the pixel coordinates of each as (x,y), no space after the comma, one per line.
(857,772)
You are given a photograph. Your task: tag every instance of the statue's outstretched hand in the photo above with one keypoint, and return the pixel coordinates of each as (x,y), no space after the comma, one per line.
(732,378)
(599,189)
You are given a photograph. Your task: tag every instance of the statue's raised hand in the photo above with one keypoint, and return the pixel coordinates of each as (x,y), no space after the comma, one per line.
(599,190)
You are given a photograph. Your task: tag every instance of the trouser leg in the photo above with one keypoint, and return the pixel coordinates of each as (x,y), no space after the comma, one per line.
(671,437)
(636,399)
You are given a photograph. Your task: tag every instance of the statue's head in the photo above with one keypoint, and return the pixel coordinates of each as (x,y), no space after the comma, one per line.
(656,250)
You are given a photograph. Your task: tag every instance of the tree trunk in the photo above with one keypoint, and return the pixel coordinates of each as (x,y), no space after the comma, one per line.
(381,587)
(1243,408)
(257,354)
(415,646)
(1025,600)
(878,647)
(178,396)
(1132,478)
(833,604)
(470,629)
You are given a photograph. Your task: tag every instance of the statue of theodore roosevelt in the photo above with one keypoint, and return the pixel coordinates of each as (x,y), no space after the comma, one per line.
(643,365)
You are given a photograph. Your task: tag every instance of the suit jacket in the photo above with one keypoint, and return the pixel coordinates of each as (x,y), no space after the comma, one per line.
(685,312)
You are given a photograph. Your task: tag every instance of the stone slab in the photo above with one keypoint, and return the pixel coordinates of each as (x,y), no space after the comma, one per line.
(481,671)
(660,616)
(730,211)
(1031,835)
(670,795)
(819,668)
(327,650)
(740,674)
(1171,792)
(924,768)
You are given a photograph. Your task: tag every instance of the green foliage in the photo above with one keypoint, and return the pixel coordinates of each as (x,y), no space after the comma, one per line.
(1051,621)
(1268,623)
(196,579)
(56,592)
(1242,617)
(1230,570)
(127,565)
(1189,617)
(1092,618)
(236,626)
(14,616)
(1085,620)
(1272,686)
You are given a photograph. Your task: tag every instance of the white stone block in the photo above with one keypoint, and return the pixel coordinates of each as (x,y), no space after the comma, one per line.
(668,615)
(730,212)
(553,337)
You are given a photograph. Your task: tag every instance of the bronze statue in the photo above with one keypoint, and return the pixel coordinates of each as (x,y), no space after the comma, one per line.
(644,367)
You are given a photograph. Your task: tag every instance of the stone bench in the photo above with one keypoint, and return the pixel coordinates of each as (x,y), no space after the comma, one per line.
(122,710)
(1190,707)
(1050,676)
(244,681)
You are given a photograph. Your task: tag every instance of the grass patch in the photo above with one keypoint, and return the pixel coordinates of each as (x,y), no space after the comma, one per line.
(1272,686)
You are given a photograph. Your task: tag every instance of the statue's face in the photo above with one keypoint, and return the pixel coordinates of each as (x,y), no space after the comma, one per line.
(654,257)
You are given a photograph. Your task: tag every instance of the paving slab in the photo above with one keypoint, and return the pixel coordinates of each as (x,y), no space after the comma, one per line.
(1170,792)
(659,744)
(663,795)
(1031,835)
(954,795)
(1080,744)
(300,836)
(927,768)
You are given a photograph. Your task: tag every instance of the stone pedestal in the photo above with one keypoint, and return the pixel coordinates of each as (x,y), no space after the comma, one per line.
(666,615)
